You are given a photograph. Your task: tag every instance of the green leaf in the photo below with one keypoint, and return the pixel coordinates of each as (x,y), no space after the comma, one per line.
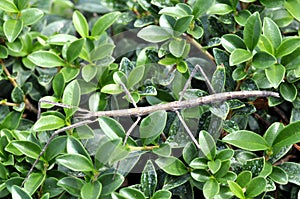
(89,72)
(182,67)
(278,175)
(74,49)
(183,23)
(180,10)
(60,39)
(247,140)
(18,193)
(292,7)
(3,52)
(33,182)
(72,185)
(201,6)
(17,95)
(111,128)
(272,32)
(48,122)
(242,17)
(272,132)
(12,28)
(293,171)
(220,9)
(287,136)
(288,46)
(265,44)
(162,194)
(263,60)
(154,34)
(176,47)
(75,162)
(74,146)
(104,22)
(112,89)
(214,165)
(8,6)
(255,187)
(69,73)
(110,182)
(200,175)
(55,147)
(91,190)
(149,179)
(239,56)
(30,16)
(252,31)
(46,59)
(288,91)
(236,189)
(171,165)
(102,51)
(132,193)
(197,32)
(58,84)
(135,76)
(11,121)
(207,144)
(275,74)
(244,178)
(211,188)
(71,97)
(80,24)
(28,148)
(189,152)
(231,42)
(199,163)
(152,126)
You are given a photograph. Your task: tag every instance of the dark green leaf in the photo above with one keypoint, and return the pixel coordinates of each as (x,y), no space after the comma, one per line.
(272,132)
(91,190)
(288,91)
(171,165)
(71,97)
(288,135)
(207,144)
(263,60)
(255,187)
(28,148)
(200,7)
(292,169)
(244,178)
(55,147)
(33,182)
(252,31)
(231,42)
(72,185)
(211,188)
(272,32)
(75,162)
(17,192)
(74,50)
(220,9)
(132,193)
(104,22)
(247,140)
(214,165)
(162,194)
(149,179)
(135,76)
(242,17)
(183,23)
(275,74)
(12,28)
(80,24)
(278,175)
(17,95)
(200,175)
(48,122)
(46,59)
(239,56)
(111,128)
(288,46)
(110,182)
(152,126)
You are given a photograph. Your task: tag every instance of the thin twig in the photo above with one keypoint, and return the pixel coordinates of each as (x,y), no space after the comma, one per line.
(207,82)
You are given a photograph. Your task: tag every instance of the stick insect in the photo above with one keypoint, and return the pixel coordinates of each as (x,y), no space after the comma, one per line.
(88,117)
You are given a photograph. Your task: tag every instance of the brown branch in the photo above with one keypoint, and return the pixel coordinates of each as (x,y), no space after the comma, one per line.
(28,105)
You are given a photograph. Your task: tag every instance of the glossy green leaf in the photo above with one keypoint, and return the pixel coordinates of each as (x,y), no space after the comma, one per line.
(211,188)
(111,128)
(239,56)
(288,46)
(72,185)
(74,50)
(200,175)
(247,140)
(12,28)
(275,74)
(183,23)
(152,126)
(207,145)
(60,39)
(278,175)
(218,79)
(149,179)
(102,51)
(242,17)
(255,187)
(201,6)
(135,76)
(80,24)
(288,91)
(58,84)
(8,6)
(33,182)
(182,67)
(55,147)
(89,72)
(91,190)
(75,162)
(253,164)
(74,146)
(162,194)
(189,152)
(171,165)
(292,169)
(266,45)
(176,47)
(236,189)
(252,31)
(272,32)
(291,6)
(71,97)
(30,16)
(3,52)
(104,22)
(69,73)
(263,60)
(214,165)
(28,148)
(231,42)
(46,59)
(220,9)
(179,10)
(112,89)
(17,95)
(272,132)
(132,193)
(154,34)
(290,134)
(225,154)
(18,193)
(48,122)
(244,178)
(110,182)
(199,163)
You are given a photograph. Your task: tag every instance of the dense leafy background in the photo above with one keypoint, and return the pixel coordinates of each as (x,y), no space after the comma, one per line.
(83,52)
